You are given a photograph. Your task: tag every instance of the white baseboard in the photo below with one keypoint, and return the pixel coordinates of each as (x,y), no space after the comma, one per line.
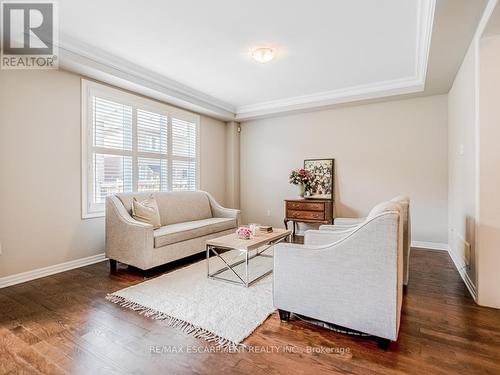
(460,266)
(430,245)
(50,270)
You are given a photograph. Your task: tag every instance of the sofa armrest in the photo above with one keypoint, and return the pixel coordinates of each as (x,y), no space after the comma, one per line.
(219,211)
(123,215)
(321,237)
(127,240)
(348,221)
(336,227)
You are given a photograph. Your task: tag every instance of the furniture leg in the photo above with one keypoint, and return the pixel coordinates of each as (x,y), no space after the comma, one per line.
(284,315)
(294,224)
(208,260)
(228,266)
(146,274)
(246,269)
(286,224)
(384,344)
(113,266)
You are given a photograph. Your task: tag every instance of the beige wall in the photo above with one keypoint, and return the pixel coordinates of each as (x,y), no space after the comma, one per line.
(489,174)
(40,183)
(232,164)
(381,150)
(212,158)
(462,165)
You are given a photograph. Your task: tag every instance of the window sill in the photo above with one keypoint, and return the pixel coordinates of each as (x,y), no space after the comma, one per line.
(92,215)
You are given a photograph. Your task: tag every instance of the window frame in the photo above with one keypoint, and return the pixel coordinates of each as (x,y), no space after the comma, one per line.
(90,89)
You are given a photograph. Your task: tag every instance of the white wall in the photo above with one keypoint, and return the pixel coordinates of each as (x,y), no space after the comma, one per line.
(489,173)
(40,182)
(474,203)
(462,164)
(380,150)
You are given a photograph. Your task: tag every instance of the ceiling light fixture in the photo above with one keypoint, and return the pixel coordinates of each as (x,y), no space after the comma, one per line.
(263,55)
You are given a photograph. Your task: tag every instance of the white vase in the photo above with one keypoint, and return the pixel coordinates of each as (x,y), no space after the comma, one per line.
(302,190)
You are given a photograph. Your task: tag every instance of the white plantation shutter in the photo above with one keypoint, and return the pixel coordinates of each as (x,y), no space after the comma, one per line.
(183,138)
(112,124)
(152,174)
(112,149)
(113,174)
(183,175)
(135,144)
(152,145)
(151,132)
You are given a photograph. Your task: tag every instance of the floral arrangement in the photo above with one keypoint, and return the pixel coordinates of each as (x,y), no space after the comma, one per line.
(244,233)
(300,177)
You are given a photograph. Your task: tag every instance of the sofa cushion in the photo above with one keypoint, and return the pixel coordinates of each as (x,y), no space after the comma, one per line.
(174,207)
(173,233)
(146,211)
(183,206)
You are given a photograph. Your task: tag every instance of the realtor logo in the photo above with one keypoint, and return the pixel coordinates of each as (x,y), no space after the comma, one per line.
(29,35)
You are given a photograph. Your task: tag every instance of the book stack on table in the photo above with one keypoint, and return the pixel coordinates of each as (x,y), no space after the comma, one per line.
(266,229)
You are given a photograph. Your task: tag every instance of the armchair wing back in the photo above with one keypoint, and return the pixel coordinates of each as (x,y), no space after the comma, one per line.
(404,202)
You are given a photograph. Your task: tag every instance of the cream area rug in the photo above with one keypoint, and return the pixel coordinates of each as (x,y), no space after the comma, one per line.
(214,310)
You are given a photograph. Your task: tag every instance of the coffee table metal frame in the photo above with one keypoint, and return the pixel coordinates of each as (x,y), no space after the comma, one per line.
(217,251)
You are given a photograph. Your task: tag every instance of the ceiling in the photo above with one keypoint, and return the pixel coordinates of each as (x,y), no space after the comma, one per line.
(197,53)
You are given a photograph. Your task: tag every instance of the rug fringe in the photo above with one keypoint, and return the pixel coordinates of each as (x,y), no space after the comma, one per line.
(182,325)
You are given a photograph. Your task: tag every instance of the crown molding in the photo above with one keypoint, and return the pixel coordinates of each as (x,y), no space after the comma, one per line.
(425,25)
(330,98)
(97,64)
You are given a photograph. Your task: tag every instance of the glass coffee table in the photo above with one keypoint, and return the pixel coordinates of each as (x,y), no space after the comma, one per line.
(253,266)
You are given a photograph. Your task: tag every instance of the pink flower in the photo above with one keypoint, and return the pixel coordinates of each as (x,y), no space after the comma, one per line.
(300,176)
(244,232)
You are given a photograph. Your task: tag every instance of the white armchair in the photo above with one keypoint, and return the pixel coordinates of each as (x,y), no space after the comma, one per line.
(351,223)
(351,278)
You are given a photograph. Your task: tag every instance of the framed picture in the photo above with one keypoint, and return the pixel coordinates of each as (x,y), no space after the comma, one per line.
(322,184)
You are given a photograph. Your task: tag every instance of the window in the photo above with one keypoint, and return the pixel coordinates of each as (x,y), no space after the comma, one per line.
(130,143)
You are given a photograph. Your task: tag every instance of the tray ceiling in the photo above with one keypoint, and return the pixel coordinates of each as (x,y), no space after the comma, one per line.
(328,51)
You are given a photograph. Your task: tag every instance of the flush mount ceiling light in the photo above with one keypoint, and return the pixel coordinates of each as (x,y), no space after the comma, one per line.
(263,55)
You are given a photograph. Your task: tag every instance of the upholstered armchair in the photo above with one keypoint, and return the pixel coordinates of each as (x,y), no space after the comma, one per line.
(341,223)
(351,278)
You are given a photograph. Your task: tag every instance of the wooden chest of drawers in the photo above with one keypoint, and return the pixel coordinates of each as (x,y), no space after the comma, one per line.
(308,211)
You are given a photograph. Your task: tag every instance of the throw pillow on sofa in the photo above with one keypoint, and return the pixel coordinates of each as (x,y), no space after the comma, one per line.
(146,211)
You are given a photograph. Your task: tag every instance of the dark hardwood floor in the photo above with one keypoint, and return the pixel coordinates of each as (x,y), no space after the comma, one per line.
(63,325)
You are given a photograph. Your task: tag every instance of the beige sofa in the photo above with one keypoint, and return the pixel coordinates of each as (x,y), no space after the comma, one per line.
(188,219)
